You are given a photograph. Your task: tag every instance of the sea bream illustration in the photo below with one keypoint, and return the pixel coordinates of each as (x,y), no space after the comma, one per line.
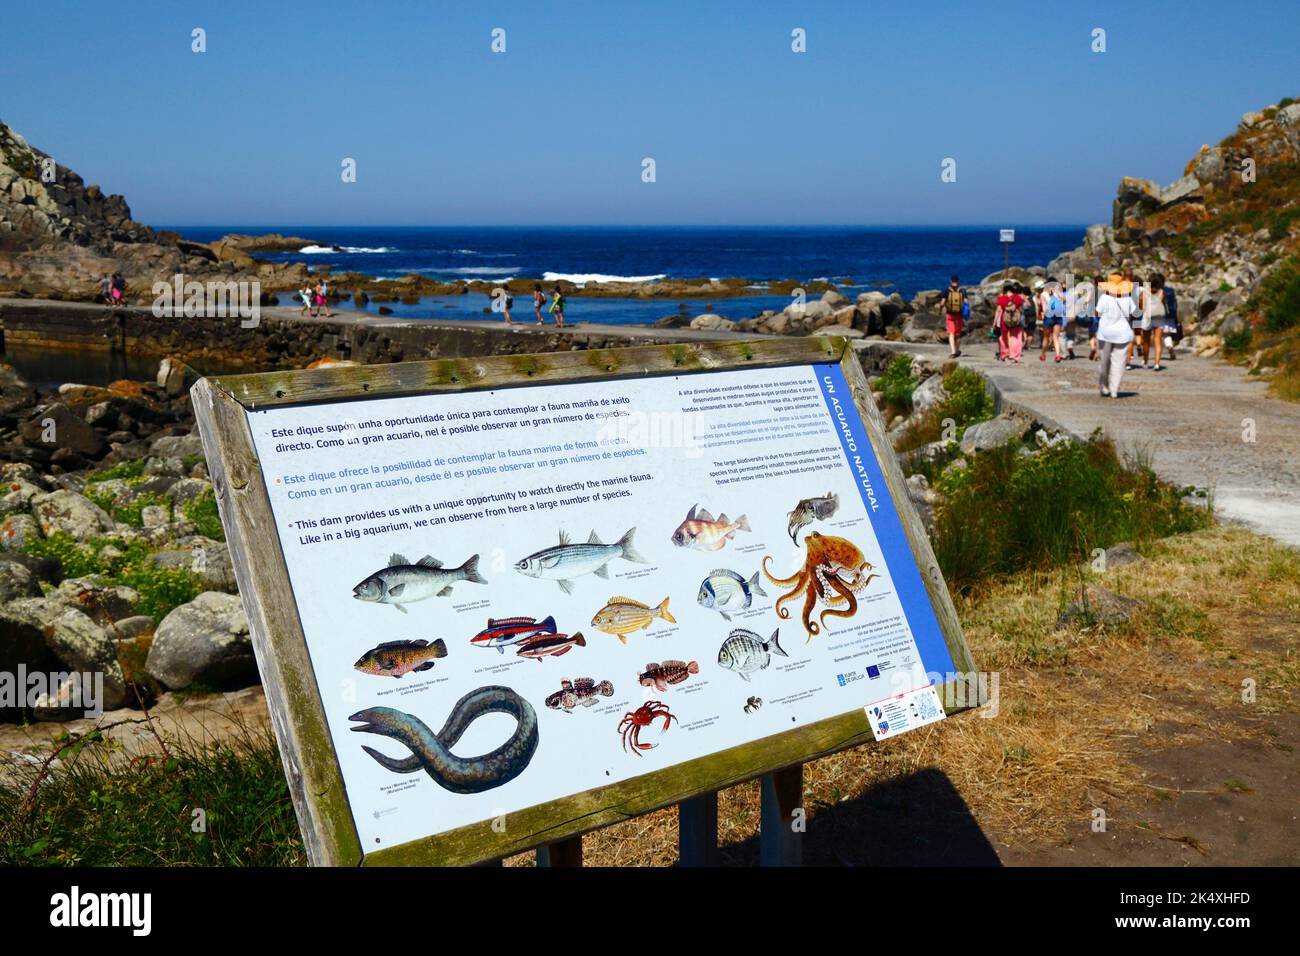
(565,561)
(702,532)
(745,652)
(550,645)
(396,658)
(812,509)
(404,583)
(726,591)
(622,615)
(659,676)
(581,692)
(504,631)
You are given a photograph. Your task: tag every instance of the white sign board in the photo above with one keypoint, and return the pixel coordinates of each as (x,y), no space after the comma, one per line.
(513,596)
(1007,235)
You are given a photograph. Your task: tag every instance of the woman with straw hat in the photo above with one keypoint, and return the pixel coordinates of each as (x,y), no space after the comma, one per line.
(1114,331)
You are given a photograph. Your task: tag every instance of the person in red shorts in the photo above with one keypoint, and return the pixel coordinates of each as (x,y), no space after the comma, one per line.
(954,314)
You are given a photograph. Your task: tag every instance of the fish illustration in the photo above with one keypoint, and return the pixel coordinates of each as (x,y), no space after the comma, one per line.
(403,583)
(400,657)
(550,645)
(753,704)
(565,561)
(504,631)
(702,532)
(622,615)
(725,591)
(745,652)
(659,676)
(584,691)
(810,509)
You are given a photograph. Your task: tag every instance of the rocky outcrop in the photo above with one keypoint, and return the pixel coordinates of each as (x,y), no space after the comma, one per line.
(204,641)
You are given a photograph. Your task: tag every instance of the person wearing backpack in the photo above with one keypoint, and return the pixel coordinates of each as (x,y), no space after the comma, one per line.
(955,310)
(1053,310)
(1010,320)
(1173,327)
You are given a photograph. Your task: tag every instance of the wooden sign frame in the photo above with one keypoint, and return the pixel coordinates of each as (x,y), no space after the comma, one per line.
(297,713)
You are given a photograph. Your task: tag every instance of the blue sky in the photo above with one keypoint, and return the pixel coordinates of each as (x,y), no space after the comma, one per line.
(554,130)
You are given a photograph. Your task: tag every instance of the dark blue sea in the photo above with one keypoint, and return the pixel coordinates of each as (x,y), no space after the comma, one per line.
(905,259)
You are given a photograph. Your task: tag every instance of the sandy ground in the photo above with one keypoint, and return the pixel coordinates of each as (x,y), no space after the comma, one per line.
(1195,419)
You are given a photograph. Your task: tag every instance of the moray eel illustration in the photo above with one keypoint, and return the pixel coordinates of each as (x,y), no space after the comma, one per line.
(432,752)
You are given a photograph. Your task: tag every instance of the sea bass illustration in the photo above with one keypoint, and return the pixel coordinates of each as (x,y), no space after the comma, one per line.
(400,657)
(503,631)
(745,652)
(565,561)
(812,509)
(581,692)
(659,676)
(702,532)
(622,615)
(726,591)
(403,583)
(550,645)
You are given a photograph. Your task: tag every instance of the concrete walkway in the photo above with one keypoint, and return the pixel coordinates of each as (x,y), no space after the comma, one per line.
(1193,419)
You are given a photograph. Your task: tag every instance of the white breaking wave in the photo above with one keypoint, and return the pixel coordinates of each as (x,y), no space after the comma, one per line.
(476,270)
(314,250)
(582,278)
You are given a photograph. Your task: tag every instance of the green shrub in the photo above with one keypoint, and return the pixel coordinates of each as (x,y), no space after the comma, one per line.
(968,400)
(160,589)
(1006,512)
(1239,340)
(203,512)
(127,470)
(898,383)
(140,813)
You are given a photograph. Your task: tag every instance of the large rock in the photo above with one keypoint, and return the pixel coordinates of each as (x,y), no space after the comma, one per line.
(59,428)
(923,327)
(17,531)
(1095,605)
(72,514)
(73,638)
(17,582)
(177,446)
(206,640)
(92,596)
(991,434)
(929,394)
(207,560)
(711,322)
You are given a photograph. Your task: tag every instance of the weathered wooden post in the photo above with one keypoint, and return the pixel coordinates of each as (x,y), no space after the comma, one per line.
(781,824)
(561,853)
(697,830)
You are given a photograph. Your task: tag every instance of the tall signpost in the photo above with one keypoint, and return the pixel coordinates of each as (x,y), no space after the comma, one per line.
(500,602)
(1006,236)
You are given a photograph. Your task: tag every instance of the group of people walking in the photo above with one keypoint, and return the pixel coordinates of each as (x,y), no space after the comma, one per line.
(113,289)
(539,299)
(1120,315)
(315,298)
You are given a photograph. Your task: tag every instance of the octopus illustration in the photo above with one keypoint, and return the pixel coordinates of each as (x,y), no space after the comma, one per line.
(834,572)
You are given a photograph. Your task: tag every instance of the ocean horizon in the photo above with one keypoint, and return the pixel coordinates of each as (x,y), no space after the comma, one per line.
(906,259)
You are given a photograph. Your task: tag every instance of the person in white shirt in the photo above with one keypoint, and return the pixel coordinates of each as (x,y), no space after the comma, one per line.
(1114,331)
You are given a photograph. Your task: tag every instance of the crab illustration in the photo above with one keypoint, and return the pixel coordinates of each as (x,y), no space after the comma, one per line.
(632,722)
(834,571)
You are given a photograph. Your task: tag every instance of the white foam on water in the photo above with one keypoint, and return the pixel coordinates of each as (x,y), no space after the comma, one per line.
(582,278)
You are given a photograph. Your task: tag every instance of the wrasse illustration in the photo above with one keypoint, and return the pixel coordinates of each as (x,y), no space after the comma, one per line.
(581,692)
(397,658)
(622,615)
(659,676)
(702,532)
(550,645)
(503,631)
(565,561)
(404,583)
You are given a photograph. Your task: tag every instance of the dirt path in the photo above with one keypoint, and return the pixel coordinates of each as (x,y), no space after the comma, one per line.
(1193,419)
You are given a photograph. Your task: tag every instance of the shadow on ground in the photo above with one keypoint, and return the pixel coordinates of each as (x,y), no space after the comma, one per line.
(919,820)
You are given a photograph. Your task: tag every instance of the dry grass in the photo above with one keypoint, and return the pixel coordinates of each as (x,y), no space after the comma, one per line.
(1076,705)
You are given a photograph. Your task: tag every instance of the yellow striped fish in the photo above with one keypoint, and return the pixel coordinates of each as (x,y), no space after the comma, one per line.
(622,615)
